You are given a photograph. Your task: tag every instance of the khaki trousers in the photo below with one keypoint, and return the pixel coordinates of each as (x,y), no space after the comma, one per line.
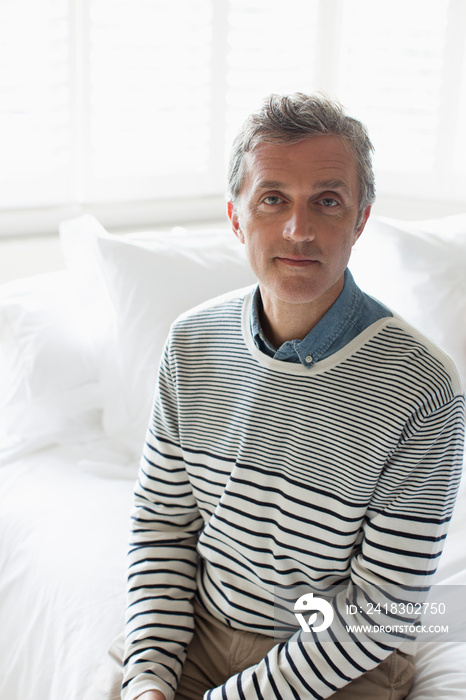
(218,652)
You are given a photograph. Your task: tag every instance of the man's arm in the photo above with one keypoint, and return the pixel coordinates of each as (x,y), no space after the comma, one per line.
(162,556)
(402,540)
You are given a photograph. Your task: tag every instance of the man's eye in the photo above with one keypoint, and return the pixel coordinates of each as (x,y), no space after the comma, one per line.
(272,199)
(329,202)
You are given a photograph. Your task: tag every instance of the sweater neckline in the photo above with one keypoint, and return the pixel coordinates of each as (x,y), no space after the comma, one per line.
(294,368)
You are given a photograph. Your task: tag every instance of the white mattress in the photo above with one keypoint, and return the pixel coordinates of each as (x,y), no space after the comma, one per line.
(63,534)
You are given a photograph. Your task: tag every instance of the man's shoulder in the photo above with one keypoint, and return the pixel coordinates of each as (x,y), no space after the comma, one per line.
(224,306)
(420,354)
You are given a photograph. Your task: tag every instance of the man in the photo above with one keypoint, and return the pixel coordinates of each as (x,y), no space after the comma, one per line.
(303,438)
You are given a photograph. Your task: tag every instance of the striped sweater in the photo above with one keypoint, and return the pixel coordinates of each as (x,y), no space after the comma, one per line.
(261,476)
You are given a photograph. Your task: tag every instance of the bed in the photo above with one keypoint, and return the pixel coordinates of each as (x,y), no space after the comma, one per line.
(78,360)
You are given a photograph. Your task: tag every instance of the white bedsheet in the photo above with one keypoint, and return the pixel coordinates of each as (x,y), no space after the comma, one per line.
(63,541)
(62,561)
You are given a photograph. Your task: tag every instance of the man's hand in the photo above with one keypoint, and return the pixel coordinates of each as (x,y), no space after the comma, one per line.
(151,695)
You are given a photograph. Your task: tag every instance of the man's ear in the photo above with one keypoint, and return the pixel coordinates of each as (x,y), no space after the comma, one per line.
(360,228)
(233,216)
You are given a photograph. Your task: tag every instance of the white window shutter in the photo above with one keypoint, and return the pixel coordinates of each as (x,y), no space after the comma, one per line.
(35,103)
(105,101)
(270,49)
(456,134)
(150,98)
(392,76)
(397,74)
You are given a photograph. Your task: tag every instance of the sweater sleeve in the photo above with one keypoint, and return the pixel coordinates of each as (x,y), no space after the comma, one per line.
(401,543)
(162,555)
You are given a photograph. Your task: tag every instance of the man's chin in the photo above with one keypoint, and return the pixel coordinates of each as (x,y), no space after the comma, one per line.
(296,294)
(298,291)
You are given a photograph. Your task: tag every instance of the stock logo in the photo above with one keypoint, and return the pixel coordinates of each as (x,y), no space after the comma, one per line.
(307,604)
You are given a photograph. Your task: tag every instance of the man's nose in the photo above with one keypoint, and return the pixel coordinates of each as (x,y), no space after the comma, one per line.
(299,226)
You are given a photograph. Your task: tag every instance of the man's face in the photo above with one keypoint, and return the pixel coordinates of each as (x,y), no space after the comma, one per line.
(297,215)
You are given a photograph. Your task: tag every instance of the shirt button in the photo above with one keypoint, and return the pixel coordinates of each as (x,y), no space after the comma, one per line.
(309,358)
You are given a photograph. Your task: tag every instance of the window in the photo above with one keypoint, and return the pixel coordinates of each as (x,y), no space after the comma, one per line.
(107,103)
(402,79)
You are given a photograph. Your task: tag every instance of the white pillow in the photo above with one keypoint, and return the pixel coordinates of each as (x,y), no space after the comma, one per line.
(49,388)
(418,269)
(139,283)
(150,278)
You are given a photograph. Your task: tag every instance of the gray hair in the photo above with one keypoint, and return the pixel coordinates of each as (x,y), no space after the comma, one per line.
(292,118)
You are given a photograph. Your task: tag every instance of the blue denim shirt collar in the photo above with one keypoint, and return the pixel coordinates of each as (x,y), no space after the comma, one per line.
(340,322)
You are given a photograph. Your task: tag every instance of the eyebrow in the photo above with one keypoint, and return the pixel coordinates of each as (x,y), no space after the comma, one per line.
(270,185)
(320,185)
(332,185)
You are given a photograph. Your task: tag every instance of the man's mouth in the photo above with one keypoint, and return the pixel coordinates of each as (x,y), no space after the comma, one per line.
(296,261)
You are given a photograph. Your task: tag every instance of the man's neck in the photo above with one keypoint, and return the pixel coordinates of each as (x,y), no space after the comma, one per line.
(278,329)
(281,321)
